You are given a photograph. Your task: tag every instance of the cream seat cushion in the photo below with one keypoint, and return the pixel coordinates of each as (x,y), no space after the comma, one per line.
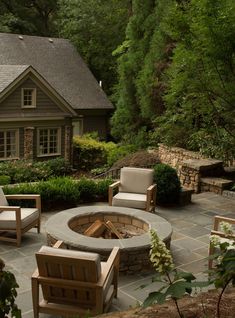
(3,200)
(8,218)
(135,180)
(132,200)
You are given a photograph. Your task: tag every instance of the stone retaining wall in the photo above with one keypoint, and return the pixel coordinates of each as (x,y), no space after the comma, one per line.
(191,166)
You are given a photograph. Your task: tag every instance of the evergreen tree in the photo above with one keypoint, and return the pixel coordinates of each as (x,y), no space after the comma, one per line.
(127,119)
(200,99)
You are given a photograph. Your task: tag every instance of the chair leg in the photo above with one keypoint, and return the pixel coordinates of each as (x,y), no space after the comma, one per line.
(35,297)
(18,237)
(39,226)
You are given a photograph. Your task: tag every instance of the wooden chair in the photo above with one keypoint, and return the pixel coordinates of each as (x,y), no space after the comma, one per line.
(16,220)
(217,220)
(74,283)
(135,189)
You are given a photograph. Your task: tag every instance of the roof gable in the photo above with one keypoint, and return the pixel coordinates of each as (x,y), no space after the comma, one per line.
(9,73)
(18,73)
(58,62)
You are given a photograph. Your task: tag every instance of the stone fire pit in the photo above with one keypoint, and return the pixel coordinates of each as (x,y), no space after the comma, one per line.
(69,225)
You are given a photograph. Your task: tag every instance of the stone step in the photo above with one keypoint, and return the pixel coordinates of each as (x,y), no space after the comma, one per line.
(213,184)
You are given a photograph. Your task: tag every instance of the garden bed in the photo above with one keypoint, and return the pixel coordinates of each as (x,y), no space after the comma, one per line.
(203,305)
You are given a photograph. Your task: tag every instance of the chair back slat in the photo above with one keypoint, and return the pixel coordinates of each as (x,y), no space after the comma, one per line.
(69,268)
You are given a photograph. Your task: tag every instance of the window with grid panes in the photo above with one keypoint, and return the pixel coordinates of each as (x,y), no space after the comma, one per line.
(9,144)
(29,97)
(48,141)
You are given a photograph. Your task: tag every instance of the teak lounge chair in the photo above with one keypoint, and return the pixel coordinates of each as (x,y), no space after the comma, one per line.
(16,220)
(135,189)
(217,220)
(74,283)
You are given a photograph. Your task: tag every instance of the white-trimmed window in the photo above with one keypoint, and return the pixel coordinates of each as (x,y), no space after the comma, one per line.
(28,98)
(9,144)
(49,141)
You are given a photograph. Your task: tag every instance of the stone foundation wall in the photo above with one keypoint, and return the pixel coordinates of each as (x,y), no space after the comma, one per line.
(68,143)
(28,142)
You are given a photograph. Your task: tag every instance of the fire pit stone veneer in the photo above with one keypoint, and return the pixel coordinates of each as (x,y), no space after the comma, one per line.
(69,225)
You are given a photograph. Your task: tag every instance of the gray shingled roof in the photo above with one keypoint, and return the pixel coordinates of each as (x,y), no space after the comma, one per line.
(59,63)
(8,73)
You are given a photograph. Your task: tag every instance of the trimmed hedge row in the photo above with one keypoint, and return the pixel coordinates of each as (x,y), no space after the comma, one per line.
(18,171)
(62,192)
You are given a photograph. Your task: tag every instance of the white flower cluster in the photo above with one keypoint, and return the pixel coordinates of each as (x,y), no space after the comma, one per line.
(226,228)
(160,256)
(226,243)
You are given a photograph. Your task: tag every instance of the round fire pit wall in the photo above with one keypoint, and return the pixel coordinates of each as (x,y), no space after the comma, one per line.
(69,225)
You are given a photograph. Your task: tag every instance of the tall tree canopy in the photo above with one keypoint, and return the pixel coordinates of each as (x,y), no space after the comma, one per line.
(96,27)
(32,17)
(144,57)
(176,76)
(200,98)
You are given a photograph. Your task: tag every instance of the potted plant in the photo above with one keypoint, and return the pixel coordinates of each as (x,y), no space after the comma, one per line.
(8,293)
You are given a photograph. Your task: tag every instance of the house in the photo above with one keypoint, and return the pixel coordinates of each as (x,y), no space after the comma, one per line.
(47,94)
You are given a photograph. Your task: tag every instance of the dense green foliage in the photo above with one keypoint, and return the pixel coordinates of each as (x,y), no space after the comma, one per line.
(28,17)
(8,293)
(141,65)
(28,171)
(63,192)
(168,184)
(4,180)
(91,153)
(96,27)
(174,81)
(200,96)
(190,101)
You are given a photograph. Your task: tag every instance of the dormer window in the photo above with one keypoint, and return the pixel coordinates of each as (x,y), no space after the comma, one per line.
(28,97)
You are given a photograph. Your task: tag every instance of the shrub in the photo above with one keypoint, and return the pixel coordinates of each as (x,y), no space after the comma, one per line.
(87,189)
(90,153)
(5,180)
(102,187)
(55,193)
(118,153)
(28,171)
(61,192)
(168,184)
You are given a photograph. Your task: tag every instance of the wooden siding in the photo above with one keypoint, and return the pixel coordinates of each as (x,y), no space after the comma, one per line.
(38,124)
(96,123)
(12,104)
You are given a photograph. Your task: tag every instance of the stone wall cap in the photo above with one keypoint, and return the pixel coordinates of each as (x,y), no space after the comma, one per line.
(202,164)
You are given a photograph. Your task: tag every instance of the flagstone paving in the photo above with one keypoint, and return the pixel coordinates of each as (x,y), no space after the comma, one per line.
(191,227)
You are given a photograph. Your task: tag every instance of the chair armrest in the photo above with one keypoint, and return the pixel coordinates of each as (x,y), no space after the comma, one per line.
(35,197)
(22,196)
(152,187)
(151,197)
(9,208)
(112,261)
(17,211)
(59,244)
(115,184)
(219,219)
(35,274)
(111,188)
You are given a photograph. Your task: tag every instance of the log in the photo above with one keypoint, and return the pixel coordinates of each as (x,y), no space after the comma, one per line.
(96,229)
(113,229)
